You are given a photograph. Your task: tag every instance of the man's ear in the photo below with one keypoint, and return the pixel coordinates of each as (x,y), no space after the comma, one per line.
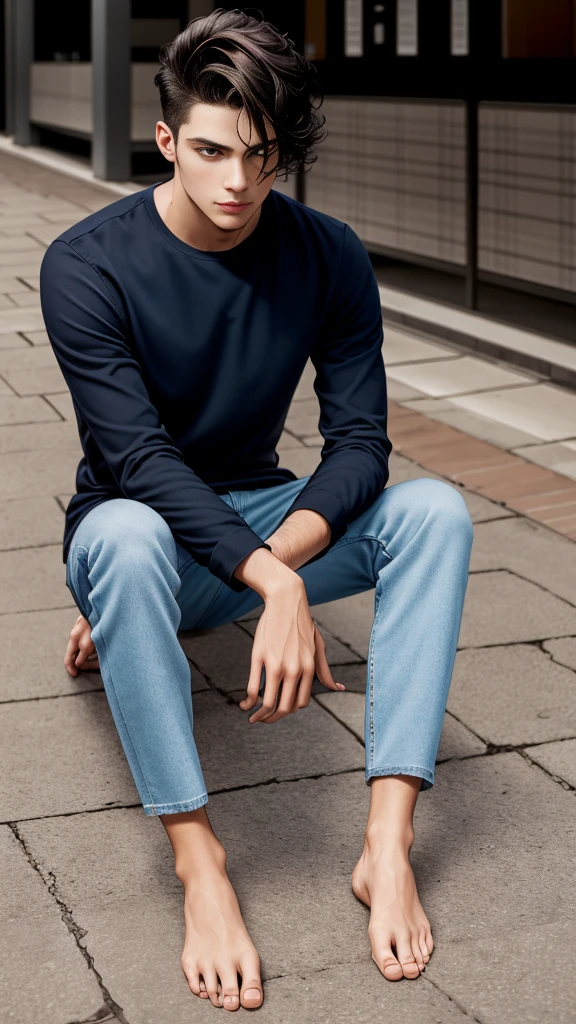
(165,141)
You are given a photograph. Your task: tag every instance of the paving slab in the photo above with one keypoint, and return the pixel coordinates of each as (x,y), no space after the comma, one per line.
(478,856)
(355,994)
(557,456)
(529,550)
(37,337)
(563,651)
(557,758)
(47,471)
(456,740)
(305,388)
(399,347)
(513,695)
(44,974)
(35,381)
(35,437)
(20,320)
(35,669)
(14,409)
(501,608)
(288,441)
(350,619)
(458,375)
(301,460)
(77,737)
(12,340)
(33,579)
(444,411)
(544,410)
(481,509)
(538,990)
(398,392)
(63,403)
(302,419)
(27,522)
(25,299)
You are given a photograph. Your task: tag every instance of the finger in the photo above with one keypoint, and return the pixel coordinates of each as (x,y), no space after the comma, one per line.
(253,688)
(304,691)
(86,649)
(273,678)
(285,704)
(69,657)
(323,670)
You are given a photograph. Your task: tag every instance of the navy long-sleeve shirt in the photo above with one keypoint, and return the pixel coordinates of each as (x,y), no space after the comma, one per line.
(182,365)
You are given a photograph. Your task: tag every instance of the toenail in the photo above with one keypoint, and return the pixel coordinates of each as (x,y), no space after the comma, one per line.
(252,993)
(230,999)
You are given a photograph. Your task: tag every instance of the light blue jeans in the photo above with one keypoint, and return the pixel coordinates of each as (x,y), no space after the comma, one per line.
(137,586)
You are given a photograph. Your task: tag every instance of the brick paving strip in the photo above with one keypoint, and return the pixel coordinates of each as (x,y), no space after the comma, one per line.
(534,491)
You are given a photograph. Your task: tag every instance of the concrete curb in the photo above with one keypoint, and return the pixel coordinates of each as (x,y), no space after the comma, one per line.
(553,359)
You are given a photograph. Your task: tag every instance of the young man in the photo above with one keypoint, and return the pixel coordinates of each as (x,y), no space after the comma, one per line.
(182,318)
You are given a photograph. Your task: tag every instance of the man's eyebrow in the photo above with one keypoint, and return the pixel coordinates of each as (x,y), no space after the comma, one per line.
(228,149)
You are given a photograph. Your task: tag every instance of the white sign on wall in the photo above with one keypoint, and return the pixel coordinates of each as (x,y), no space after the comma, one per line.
(407,28)
(459,44)
(353,29)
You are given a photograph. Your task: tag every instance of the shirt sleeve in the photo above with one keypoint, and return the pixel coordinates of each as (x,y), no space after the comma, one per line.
(86,328)
(351,387)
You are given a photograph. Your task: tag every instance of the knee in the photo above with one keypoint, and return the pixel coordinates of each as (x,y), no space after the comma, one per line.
(440,507)
(132,535)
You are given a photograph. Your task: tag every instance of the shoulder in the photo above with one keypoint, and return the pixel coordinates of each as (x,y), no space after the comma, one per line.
(339,242)
(109,217)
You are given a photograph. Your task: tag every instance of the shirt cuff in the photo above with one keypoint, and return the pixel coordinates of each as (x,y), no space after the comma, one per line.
(328,505)
(234,547)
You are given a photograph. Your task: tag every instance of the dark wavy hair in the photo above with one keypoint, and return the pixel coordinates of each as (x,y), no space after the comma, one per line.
(232,58)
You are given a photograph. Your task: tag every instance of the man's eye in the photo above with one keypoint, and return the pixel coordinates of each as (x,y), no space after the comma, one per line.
(209,151)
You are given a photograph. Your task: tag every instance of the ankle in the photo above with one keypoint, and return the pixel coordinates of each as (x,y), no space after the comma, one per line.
(382,837)
(210,859)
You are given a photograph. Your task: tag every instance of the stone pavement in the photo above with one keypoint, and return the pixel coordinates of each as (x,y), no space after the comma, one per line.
(90,910)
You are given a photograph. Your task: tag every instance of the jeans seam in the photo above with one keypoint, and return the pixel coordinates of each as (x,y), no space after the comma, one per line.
(157,808)
(120,711)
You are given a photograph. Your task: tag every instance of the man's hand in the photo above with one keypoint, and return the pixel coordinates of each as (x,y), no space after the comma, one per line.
(81,652)
(287,643)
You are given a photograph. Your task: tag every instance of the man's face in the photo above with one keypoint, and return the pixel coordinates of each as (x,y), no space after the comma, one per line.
(219,161)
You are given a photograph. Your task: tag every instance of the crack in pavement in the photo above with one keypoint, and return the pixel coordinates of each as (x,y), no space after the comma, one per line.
(49,880)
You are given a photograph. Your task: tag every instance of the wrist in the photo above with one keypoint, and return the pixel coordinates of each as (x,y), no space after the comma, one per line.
(266,573)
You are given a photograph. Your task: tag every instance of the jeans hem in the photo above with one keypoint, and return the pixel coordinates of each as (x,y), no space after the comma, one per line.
(410,769)
(180,807)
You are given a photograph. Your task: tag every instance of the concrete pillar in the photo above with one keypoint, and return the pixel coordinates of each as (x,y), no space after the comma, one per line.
(20,37)
(111,99)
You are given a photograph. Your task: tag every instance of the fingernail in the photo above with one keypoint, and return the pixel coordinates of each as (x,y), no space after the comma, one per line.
(340,686)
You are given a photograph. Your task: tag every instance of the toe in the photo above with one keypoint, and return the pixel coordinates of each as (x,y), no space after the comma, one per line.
(417,952)
(405,956)
(230,996)
(251,992)
(423,947)
(429,942)
(193,979)
(388,964)
(211,982)
(203,992)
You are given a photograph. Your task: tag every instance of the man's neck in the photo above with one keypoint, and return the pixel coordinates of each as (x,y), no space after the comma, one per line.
(185,220)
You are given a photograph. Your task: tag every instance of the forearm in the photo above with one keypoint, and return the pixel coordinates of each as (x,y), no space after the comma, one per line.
(302,536)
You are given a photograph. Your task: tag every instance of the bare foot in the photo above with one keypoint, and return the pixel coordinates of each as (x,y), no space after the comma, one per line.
(383,879)
(217,946)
